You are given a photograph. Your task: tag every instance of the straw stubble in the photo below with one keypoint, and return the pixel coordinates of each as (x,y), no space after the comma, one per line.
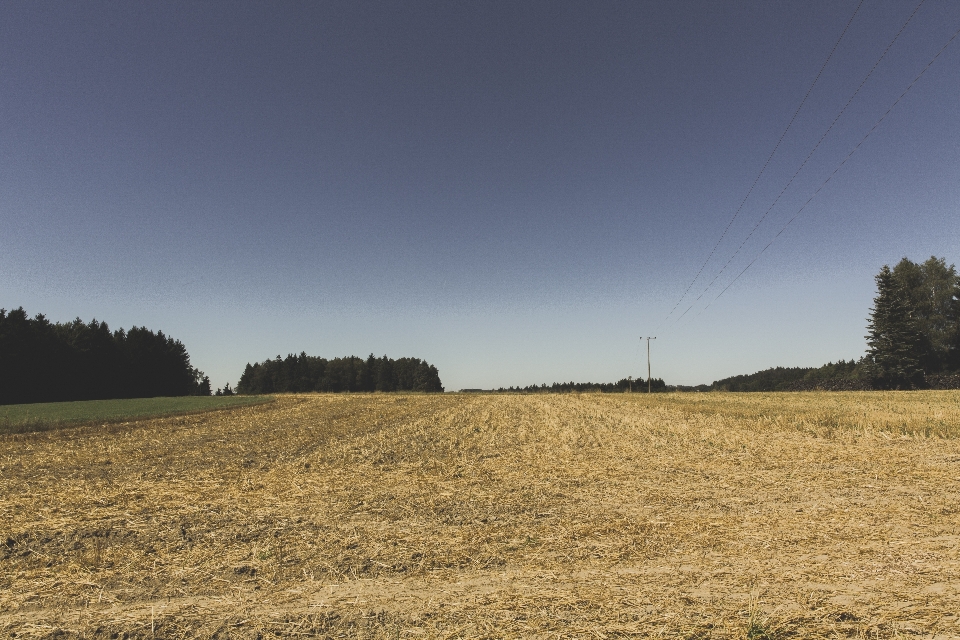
(697,515)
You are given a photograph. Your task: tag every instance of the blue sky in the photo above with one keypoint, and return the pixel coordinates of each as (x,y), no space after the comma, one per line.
(516,192)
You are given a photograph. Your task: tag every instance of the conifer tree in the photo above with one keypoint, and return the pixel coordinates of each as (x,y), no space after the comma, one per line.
(895,340)
(932,289)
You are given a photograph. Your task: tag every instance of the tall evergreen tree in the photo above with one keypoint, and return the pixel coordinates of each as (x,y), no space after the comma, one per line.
(895,340)
(932,289)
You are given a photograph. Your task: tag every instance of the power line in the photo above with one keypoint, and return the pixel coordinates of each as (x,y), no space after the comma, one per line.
(830,177)
(769,158)
(807,159)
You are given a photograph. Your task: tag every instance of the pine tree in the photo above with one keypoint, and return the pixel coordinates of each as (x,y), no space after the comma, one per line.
(933,291)
(895,339)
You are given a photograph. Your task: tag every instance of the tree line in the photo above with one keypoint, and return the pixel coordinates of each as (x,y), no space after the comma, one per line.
(913,342)
(620,386)
(829,375)
(43,361)
(913,339)
(300,373)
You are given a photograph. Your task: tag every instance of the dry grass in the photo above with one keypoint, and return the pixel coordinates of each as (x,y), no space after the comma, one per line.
(679,516)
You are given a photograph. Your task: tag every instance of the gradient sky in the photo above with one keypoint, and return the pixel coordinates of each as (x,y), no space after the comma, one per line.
(517,192)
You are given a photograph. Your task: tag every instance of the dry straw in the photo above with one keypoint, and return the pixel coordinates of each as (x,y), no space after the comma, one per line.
(450,516)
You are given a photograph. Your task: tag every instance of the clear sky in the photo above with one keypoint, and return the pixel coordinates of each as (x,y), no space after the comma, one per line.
(517,192)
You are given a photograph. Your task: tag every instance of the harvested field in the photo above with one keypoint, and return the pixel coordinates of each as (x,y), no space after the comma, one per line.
(813,515)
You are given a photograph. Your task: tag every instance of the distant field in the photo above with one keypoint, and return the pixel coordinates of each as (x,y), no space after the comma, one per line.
(20,418)
(694,516)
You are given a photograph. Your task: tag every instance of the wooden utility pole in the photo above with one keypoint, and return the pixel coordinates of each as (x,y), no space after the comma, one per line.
(648,361)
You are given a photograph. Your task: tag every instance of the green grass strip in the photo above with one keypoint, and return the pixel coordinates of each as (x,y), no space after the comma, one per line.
(24,418)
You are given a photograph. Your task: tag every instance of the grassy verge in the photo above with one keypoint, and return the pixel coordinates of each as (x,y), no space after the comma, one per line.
(24,418)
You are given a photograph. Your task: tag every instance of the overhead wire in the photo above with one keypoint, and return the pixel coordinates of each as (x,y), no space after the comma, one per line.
(767,162)
(805,161)
(830,177)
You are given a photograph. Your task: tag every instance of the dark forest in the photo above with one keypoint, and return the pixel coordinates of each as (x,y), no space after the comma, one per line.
(42,361)
(300,373)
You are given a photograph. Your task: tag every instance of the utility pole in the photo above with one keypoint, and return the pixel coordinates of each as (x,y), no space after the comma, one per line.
(648,361)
